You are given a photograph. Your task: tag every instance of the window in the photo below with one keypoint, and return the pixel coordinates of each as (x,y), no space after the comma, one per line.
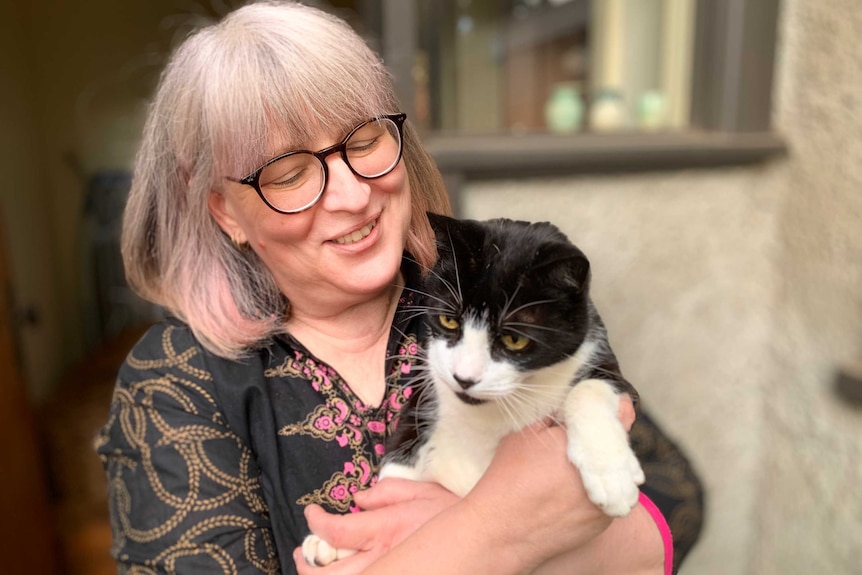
(564,66)
(520,87)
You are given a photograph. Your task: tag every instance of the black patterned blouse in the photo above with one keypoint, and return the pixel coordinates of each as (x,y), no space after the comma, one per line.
(210,462)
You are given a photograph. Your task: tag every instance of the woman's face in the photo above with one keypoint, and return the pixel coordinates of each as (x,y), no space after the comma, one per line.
(343,251)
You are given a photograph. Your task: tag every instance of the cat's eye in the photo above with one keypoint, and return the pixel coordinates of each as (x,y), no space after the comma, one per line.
(448,322)
(514,342)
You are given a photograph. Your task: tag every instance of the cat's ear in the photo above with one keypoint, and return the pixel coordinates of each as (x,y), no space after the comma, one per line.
(439,224)
(451,233)
(566,263)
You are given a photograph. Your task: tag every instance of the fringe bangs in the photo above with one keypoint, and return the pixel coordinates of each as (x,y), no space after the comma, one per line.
(271,86)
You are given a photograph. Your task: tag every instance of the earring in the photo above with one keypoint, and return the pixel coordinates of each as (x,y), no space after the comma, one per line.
(240,246)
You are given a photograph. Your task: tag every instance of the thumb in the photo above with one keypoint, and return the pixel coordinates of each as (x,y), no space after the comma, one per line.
(387,492)
(337,530)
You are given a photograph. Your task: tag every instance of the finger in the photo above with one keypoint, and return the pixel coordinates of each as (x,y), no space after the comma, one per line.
(353,565)
(394,491)
(626,411)
(387,492)
(341,531)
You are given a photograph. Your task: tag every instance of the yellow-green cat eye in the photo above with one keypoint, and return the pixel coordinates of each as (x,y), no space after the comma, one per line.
(515,342)
(449,322)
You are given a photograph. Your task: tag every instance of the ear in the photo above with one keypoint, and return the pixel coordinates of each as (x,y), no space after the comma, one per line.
(566,262)
(452,232)
(440,224)
(221,211)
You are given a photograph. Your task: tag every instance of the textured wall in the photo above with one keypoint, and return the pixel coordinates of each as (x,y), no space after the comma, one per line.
(682,274)
(731,297)
(813,443)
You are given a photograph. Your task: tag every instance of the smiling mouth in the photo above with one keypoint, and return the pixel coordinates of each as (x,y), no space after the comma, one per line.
(359,234)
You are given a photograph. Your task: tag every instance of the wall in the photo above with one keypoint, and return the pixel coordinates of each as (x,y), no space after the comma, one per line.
(25,206)
(813,445)
(74,80)
(731,297)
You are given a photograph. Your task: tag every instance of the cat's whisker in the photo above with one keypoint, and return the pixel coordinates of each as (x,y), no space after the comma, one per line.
(430,296)
(530,304)
(493,293)
(537,327)
(458,292)
(504,313)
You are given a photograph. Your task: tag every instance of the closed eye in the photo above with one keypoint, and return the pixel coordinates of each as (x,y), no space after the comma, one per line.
(363,147)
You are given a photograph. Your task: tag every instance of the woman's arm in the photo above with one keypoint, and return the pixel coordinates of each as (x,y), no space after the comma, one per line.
(184,491)
(530,507)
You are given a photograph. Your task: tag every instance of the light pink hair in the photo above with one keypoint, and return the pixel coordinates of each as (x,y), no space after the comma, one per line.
(267,67)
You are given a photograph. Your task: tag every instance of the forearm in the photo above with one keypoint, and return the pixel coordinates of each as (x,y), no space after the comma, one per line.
(631,545)
(463,539)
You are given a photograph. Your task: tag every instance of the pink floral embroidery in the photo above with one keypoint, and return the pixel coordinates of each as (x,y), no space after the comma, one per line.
(339,493)
(343,439)
(323,423)
(366,471)
(349,423)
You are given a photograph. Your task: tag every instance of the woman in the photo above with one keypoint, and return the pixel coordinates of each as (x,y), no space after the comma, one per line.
(275,193)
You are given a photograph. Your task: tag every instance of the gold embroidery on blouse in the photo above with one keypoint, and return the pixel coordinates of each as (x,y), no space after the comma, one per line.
(148,431)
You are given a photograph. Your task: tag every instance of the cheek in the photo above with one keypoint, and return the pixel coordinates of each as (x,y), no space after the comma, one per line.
(279,229)
(396,182)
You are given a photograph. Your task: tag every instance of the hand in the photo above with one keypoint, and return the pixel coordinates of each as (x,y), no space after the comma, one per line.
(627,411)
(532,486)
(392,510)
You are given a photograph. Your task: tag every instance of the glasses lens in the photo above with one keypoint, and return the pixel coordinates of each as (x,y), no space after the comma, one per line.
(375,148)
(292,183)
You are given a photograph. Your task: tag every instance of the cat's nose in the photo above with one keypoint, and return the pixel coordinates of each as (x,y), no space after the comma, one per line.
(465,383)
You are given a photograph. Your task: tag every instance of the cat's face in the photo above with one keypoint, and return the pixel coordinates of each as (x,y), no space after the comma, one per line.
(507,301)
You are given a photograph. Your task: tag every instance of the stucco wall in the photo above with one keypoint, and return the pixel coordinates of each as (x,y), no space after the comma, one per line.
(732,296)
(810,490)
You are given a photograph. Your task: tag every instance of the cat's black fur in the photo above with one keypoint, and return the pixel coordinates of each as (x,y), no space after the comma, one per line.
(496,285)
(488,262)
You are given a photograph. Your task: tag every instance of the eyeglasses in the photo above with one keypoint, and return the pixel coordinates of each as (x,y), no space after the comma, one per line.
(295,181)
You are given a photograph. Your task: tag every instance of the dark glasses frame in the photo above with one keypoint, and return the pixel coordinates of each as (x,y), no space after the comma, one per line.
(253,179)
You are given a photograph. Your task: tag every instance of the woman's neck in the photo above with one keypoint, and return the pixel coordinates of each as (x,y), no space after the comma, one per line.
(352,341)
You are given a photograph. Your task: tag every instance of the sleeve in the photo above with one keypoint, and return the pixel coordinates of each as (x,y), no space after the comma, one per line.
(673,493)
(185,492)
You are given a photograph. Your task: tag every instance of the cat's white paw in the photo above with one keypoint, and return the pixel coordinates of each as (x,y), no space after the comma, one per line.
(611,480)
(319,553)
(400,470)
(599,447)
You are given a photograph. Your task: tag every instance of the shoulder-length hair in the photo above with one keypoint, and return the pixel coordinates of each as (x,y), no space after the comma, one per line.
(271,67)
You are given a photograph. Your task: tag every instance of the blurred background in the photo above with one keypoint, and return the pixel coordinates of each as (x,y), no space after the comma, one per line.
(706,155)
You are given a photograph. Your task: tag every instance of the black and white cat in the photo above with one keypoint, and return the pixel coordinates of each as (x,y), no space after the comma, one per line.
(512,338)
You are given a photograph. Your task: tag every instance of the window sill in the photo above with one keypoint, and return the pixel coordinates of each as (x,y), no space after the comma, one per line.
(535,155)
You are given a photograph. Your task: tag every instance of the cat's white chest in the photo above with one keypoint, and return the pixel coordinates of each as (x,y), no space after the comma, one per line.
(457,456)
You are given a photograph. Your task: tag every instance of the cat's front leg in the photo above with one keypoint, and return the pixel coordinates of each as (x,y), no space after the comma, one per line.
(401,471)
(598,445)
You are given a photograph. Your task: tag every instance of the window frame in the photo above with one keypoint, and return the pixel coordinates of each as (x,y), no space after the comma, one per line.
(732,79)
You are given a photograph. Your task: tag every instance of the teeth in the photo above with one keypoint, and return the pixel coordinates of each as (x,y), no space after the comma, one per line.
(357,235)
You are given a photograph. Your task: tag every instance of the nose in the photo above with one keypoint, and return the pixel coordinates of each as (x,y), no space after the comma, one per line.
(465,383)
(345,191)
